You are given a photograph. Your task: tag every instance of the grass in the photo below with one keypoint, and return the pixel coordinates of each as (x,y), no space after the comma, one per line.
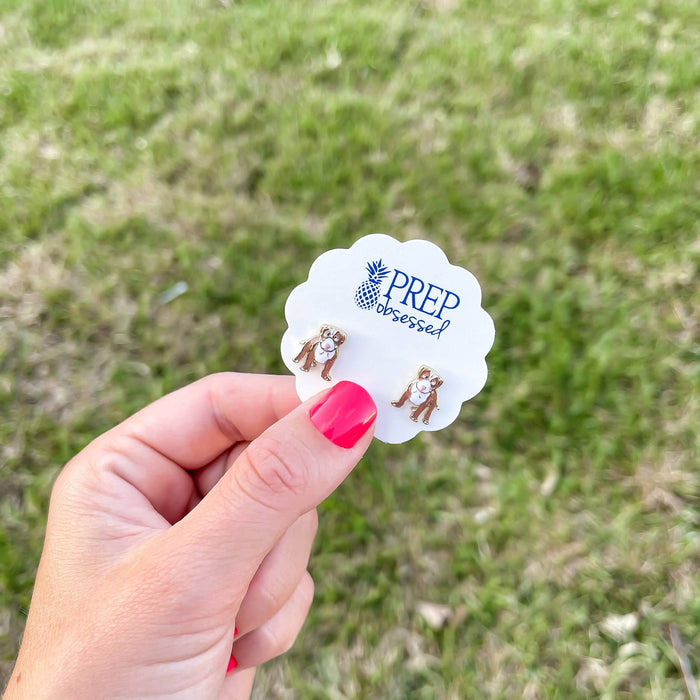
(551,147)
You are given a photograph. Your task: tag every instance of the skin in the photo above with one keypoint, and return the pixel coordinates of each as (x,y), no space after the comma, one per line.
(193,517)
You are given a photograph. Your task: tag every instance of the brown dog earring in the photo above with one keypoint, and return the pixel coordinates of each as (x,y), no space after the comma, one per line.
(322,350)
(421,393)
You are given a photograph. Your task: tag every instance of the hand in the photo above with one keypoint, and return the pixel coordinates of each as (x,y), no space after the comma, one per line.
(193,517)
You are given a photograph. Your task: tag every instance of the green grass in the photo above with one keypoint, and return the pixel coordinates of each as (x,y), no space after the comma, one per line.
(551,147)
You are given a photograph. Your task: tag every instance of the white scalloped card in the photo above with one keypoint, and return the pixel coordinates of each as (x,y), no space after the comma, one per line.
(398,319)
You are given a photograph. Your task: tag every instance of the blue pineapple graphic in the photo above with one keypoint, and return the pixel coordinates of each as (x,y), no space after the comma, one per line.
(367,294)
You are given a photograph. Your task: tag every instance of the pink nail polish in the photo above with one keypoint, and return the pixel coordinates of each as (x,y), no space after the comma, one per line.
(232,663)
(344,414)
(235,632)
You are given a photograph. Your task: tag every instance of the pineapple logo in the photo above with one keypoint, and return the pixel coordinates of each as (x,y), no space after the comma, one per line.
(367,294)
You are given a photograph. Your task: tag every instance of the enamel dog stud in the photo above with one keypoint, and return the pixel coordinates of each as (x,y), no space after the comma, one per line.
(421,394)
(321,350)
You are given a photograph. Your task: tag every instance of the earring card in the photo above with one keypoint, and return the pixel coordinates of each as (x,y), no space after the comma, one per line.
(398,319)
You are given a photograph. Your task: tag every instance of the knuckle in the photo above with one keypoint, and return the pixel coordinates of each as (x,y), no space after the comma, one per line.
(281,641)
(220,388)
(273,470)
(281,637)
(82,475)
(105,462)
(271,598)
(276,641)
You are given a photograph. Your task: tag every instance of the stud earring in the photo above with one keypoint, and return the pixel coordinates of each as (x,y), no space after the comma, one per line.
(322,350)
(421,394)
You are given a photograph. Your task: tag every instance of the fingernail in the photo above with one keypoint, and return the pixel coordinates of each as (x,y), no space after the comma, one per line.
(235,632)
(344,414)
(232,663)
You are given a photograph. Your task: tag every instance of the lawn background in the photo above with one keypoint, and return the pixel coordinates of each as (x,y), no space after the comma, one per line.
(549,146)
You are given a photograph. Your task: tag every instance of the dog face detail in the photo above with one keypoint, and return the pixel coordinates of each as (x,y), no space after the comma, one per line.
(428,380)
(322,350)
(421,393)
(331,338)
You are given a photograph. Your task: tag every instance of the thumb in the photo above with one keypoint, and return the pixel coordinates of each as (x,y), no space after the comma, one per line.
(285,472)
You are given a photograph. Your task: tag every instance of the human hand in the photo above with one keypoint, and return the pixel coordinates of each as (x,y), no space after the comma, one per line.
(193,517)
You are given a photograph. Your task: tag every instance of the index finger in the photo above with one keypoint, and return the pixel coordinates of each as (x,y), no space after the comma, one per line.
(195,424)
